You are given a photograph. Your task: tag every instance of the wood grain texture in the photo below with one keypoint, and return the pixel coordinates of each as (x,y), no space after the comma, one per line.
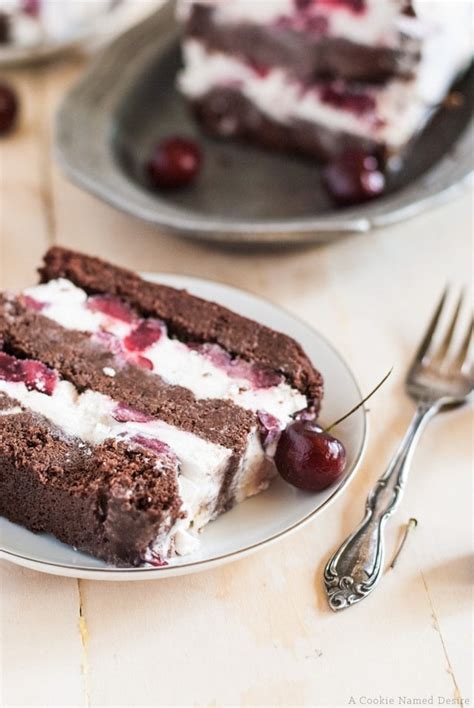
(258,631)
(41,654)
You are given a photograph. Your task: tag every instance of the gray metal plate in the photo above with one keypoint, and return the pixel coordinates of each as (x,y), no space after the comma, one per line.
(127,101)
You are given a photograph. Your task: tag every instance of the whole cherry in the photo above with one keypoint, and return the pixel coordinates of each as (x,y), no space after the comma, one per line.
(8,108)
(353,177)
(309,458)
(175,162)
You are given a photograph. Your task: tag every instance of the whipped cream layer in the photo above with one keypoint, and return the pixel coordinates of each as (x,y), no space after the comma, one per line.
(390,114)
(206,370)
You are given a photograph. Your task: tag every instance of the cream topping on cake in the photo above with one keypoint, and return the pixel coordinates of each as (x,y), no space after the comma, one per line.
(174,361)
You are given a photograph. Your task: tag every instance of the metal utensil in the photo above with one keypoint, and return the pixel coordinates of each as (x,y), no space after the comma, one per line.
(441,376)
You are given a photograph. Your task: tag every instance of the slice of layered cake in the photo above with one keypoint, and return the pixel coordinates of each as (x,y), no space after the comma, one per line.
(322,76)
(132,413)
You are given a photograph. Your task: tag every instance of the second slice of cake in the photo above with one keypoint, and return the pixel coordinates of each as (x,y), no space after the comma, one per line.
(322,76)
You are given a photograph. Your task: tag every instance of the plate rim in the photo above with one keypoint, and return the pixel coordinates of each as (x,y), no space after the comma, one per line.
(115,573)
(94,168)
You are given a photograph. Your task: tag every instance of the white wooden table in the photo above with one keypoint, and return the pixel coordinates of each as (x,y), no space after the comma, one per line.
(258,631)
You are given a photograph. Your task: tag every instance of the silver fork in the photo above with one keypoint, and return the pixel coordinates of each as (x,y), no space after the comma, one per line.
(440,377)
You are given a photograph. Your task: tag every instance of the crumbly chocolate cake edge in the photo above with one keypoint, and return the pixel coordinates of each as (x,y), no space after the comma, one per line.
(81,494)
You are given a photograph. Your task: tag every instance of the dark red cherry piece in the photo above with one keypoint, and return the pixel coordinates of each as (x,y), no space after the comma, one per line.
(317,24)
(261,70)
(38,377)
(155,560)
(356,6)
(309,458)
(35,375)
(109,341)
(8,108)
(126,414)
(359,103)
(153,444)
(144,335)
(33,304)
(143,362)
(269,428)
(31,7)
(111,306)
(354,177)
(175,162)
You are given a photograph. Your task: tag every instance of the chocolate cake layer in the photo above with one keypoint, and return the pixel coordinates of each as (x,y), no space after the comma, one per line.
(81,361)
(226,113)
(109,500)
(307,56)
(190,318)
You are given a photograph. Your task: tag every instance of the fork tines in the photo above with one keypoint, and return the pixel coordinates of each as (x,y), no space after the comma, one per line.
(448,345)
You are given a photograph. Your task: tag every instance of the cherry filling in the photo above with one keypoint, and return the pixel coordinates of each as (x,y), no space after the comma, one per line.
(356,102)
(153,444)
(32,304)
(155,560)
(317,24)
(126,414)
(143,335)
(31,7)
(35,375)
(147,333)
(269,428)
(143,362)
(304,22)
(258,376)
(262,70)
(356,6)
(308,15)
(112,307)
(109,341)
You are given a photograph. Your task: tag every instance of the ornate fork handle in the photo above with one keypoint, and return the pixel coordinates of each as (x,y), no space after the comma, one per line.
(354,570)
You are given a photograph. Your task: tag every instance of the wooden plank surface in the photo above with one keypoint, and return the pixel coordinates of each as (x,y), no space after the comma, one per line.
(258,631)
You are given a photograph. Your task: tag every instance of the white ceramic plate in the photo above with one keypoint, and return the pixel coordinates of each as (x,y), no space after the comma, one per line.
(256,522)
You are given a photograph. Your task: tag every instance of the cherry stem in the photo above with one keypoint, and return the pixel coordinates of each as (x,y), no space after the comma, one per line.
(364,400)
(412,523)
